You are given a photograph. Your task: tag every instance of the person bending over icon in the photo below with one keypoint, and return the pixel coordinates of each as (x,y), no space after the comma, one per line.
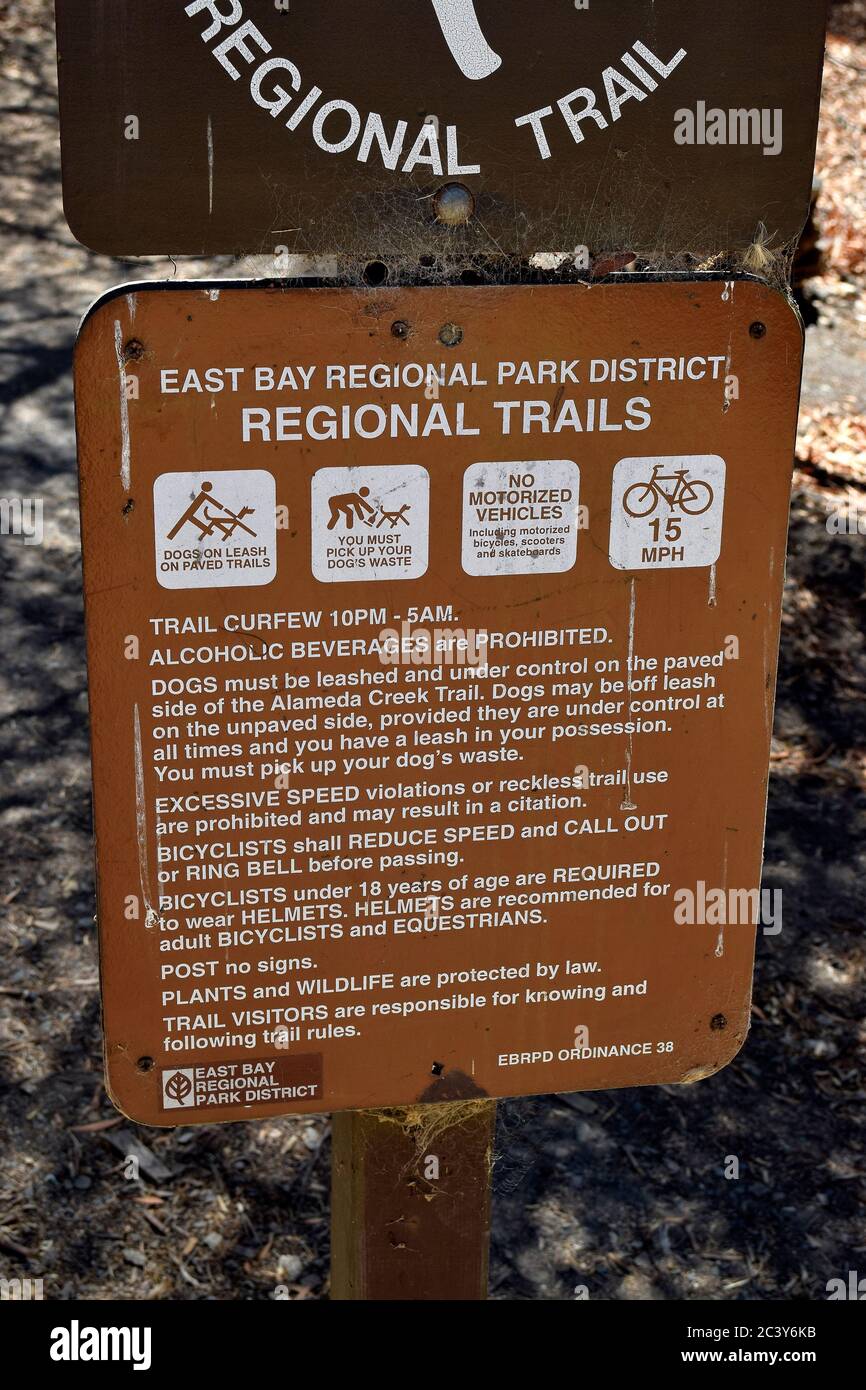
(350,505)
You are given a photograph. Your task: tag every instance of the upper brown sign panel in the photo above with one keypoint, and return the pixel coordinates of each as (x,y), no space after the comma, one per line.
(431,686)
(312,126)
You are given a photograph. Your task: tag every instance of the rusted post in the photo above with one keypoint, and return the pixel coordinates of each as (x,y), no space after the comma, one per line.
(410,1202)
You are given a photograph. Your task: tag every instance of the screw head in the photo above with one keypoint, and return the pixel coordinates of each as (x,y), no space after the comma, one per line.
(450,334)
(145,1064)
(453,205)
(400,328)
(717,1022)
(758,330)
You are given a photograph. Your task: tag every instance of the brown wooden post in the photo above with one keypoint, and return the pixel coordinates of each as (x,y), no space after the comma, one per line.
(410,1202)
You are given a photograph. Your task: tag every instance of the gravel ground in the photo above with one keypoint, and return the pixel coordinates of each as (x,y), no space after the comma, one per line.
(621,1192)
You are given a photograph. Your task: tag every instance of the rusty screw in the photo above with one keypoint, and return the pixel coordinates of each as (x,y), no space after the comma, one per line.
(145,1064)
(400,328)
(717,1022)
(134,351)
(450,334)
(453,205)
(758,330)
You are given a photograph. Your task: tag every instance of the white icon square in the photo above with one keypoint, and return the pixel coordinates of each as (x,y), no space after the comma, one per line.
(215,529)
(520,518)
(178,1088)
(370,523)
(666,512)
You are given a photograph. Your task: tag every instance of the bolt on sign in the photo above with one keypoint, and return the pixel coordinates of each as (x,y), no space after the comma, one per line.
(223,126)
(431,686)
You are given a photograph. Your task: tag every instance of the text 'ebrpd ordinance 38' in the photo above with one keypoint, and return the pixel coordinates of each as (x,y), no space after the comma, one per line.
(432,641)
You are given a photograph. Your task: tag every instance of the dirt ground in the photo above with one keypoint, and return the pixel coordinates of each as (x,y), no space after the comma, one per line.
(622,1192)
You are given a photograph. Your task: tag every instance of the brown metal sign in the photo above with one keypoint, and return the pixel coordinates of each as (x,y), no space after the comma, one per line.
(223,126)
(432,642)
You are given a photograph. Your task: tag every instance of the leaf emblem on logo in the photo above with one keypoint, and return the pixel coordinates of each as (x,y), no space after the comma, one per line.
(178,1087)
(472,53)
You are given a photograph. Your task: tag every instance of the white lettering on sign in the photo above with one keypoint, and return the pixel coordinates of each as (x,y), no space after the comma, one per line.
(520,518)
(337,125)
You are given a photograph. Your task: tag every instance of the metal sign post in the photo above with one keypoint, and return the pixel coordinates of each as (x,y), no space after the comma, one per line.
(410,1201)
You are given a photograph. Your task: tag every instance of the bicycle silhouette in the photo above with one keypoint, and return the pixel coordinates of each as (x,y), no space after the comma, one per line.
(692,496)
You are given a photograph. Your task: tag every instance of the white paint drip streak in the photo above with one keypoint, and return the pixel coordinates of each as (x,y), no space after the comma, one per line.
(631,611)
(125,449)
(628,804)
(150,916)
(209,166)
(720,943)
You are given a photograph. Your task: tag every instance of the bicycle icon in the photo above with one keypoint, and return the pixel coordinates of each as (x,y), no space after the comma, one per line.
(690,495)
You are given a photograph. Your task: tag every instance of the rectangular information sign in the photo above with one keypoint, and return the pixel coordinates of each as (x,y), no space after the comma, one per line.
(226,126)
(432,641)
